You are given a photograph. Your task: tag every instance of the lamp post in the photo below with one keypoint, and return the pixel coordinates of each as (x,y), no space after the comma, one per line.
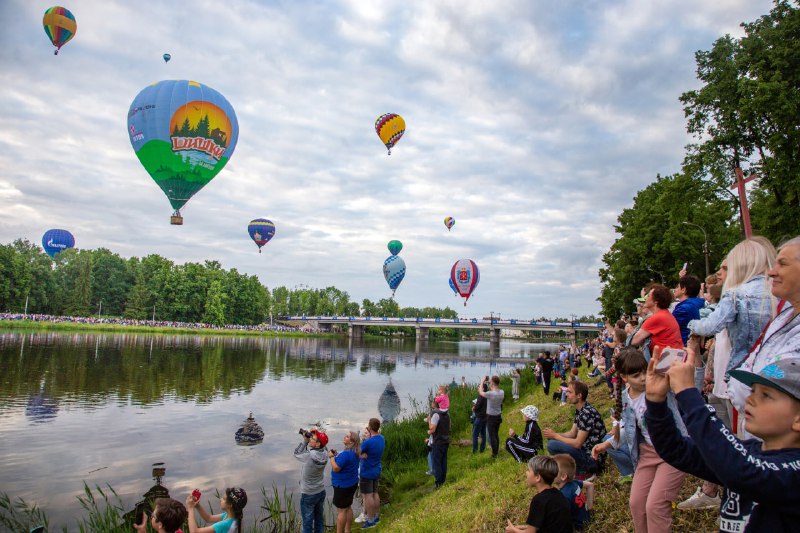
(705,243)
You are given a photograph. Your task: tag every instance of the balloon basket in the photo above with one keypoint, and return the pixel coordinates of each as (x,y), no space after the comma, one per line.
(176,220)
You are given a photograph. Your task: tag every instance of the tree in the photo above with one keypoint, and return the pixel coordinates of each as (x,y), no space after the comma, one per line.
(214,311)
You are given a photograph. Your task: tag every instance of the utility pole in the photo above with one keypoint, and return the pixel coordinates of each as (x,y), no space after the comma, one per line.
(739,184)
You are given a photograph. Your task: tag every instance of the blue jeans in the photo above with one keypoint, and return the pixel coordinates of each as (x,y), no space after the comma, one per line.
(583,461)
(621,457)
(478,430)
(439,455)
(311,509)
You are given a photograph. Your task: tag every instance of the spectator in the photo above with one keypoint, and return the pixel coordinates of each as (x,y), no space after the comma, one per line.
(587,430)
(494,406)
(549,510)
(661,327)
(530,442)
(439,430)
(689,304)
(479,421)
(229,520)
(515,377)
(370,472)
(579,494)
(314,456)
(168,516)
(344,479)
(546,363)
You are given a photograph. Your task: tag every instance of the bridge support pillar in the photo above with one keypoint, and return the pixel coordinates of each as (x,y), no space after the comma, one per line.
(422,334)
(494,336)
(355,332)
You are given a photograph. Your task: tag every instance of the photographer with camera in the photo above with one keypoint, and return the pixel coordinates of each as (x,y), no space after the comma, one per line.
(312,453)
(344,479)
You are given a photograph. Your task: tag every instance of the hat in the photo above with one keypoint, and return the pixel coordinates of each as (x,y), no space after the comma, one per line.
(639,301)
(783,375)
(321,437)
(442,401)
(530,411)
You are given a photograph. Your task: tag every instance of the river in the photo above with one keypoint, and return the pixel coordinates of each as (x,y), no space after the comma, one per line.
(103,408)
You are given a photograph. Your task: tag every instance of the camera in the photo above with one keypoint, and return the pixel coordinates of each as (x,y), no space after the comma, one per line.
(196,495)
(305,433)
(332,452)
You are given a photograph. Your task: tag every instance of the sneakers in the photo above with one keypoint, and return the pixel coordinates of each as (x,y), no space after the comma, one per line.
(371,523)
(361,518)
(699,500)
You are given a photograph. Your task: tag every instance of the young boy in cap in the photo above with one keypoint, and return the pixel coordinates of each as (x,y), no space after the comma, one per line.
(761,477)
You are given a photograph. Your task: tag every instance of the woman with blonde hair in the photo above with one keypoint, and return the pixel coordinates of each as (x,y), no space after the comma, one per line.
(344,478)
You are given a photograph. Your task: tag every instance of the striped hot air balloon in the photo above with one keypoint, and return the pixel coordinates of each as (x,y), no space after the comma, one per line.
(59,25)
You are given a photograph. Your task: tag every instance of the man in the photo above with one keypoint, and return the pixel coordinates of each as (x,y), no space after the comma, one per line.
(370,471)
(439,430)
(312,453)
(689,305)
(168,516)
(587,430)
(494,407)
(546,363)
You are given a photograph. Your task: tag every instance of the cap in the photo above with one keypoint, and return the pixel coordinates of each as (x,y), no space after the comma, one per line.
(639,301)
(321,437)
(530,411)
(783,375)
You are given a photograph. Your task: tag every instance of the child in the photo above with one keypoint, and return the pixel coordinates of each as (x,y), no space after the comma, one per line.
(515,377)
(561,393)
(549,510)
(228,521)
(579,494)
(537,374)
(168,516)
(525,446)
(760,478)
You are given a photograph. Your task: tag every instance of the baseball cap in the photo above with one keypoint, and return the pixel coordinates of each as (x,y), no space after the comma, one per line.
(783,375)
(321,437)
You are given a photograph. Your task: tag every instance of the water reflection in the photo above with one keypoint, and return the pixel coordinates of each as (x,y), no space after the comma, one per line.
(389,403)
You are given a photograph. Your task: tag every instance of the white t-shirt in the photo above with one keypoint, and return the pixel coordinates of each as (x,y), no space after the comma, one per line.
(639,407)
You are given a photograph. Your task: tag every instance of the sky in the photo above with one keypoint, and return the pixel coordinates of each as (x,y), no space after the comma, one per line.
(532,123)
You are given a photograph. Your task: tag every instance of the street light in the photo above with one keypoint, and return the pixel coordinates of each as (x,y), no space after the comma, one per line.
(705,243)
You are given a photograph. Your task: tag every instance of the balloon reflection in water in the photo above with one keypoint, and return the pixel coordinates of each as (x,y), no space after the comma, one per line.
(389,403)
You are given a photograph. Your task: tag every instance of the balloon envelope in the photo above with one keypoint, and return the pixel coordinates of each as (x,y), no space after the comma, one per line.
(390,127)
(167,57)
(452,285)
(394,247)
(465,276)
(57,240)
(449,222)
(59,25)
(394,270)
(183,133)
(261,231)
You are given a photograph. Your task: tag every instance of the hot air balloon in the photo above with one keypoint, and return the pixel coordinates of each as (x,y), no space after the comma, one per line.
(394,270)
(57,240)
(59,25)
(167,57)
(390,128)
(395,247)
(465,276)
(449,222)
(261,231)
(452,286)
(183,133)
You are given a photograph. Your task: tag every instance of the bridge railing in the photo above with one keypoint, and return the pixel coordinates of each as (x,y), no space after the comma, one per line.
(417,320)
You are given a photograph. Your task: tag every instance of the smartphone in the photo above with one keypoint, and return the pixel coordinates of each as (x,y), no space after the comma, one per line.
(668,355)
(685,265)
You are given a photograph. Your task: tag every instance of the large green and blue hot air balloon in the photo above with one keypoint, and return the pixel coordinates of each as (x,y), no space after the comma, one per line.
(57,240)
(183,133)
(261,231)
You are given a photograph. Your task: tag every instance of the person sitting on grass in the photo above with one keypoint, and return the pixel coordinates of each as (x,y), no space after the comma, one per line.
(760,475)
(530,442)
(549,509)
(168,516)
(579,494)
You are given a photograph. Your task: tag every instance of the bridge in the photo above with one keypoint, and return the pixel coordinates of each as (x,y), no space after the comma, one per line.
(356,324)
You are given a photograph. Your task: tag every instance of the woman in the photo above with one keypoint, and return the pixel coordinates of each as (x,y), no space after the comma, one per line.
(344,478)
(661,327)
(525,446)
(232,504)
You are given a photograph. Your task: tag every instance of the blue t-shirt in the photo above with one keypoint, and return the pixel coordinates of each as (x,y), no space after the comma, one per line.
(577,503)
(347,460)
(226,525)
(371,466)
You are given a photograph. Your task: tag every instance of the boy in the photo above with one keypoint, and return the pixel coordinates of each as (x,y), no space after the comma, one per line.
(760,478)
(579,494)
(168,516)
(549,510)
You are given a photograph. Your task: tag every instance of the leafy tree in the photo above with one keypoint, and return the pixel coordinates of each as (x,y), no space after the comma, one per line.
(214,312)
(139,298)
(111,281)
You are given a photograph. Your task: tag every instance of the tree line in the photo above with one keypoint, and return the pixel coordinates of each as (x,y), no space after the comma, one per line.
(746,116)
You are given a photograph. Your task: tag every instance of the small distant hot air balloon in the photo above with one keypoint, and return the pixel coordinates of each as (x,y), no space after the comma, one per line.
(59,25)
(449,222)
(57,240)
(167,57)
(390,128)
(465,276)
(394,270)
(183,133)
(261,231)
(394,247)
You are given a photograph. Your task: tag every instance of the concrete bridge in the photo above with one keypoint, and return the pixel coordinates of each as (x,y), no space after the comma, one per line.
(355,325)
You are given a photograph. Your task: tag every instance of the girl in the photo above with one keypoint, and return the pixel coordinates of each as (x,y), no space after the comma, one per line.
(525,446)
(344,479)
(655,483)
(232,504)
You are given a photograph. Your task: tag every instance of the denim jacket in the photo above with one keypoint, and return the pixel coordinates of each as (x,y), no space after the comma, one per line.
(745,311)
(629,432)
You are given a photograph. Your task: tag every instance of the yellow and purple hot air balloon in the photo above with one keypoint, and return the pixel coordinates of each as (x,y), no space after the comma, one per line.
(183,133)
(261,231)
(390,127)
(59,25)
